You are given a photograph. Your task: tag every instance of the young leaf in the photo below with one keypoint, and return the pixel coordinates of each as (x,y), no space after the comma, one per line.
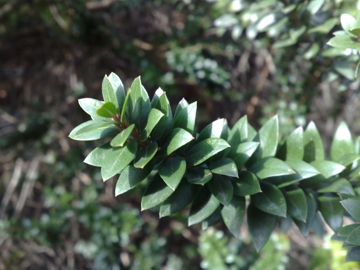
(270,200)
(239,133)
(93,130)
(352,206)
(342,143)
(120,139)
(296,203)
(269,136)
(205,149)
(154,117)
(184,194)
(242,152)
(155,193)
(118,88)
(130,177)
(107,110)
(233,215)
(175,139)
(198,175)
(172,171)
(97,156)
(182,105)
(331,211)
(203,206)
(225,166)
(221,188)
(90,105)
(185,118)
(270,167)
(247,184)
(260,225)
(117,158)
(215,129)
(313,146)
(145,154)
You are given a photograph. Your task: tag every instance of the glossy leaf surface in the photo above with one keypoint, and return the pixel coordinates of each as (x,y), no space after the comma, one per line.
(172,171)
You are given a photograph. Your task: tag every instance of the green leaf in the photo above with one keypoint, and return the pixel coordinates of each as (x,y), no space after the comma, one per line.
(203,206)
(293,148)
(247,184)
(252,134)
(212,220)
(97,156)
(347,22)
(90,105)
(145,154)
(260,225)
(339,186)
(120,139)
(269,134)
(285,224)
(270,167)
(221,188)
(344,42)
(233,215)
(313,146)
(184,194)
(346,230)
(198,175)
(348,159)
(304,227)
(327,168)
(117,158)
(93,130)
(155,193)
(154,117)
(108,92)
(205,149)
(177,138)
(182,105)
(215,129)
(324,27)
(163,105)
(239,133)
(353,254)
(332,211)
(355,32)
(352,206)
(270,200)
(107,110)
(118,88)
(296,203)
(342,143)
(225,166)
(241,153)
(185,118)
(130,177)
(354,237)
(172,171)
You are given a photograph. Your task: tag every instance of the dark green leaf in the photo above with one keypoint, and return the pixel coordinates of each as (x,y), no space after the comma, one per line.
(269,134)
(172,171)
(163,105)
(353,254)
(184,194)
(341,185)
(118,88)
(260,225)
(242,153)
(296,203)
(96,156)
(93,130)
(145,154)
(221,188)
(205,149)
(198,175)
(120,139)
(342,143)
(346,230)
(117,158)
(327,168)
(182,105)
(247,184)
(285,224)
(130,177)
(155,193)
(354,237)
(318,225)
(212,220)
(203,206)
(313,146)
(332,211)
(270,167)
(270,200)
(233,215)
(293,148)
(90,105)
(107,110)
(154,117)
(215,129)
(304,227)
(239,132)
(352,206)
(225,166)
(175,139)
(185,119)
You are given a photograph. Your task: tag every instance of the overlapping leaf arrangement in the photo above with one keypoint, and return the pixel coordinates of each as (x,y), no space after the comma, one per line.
(219,169)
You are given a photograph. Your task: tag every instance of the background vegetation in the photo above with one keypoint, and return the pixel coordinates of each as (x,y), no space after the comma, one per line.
(234,57)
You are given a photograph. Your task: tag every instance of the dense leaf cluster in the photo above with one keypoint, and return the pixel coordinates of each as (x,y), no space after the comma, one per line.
(222,172)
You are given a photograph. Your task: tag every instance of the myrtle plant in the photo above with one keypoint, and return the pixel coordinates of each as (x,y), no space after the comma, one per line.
(223,173)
